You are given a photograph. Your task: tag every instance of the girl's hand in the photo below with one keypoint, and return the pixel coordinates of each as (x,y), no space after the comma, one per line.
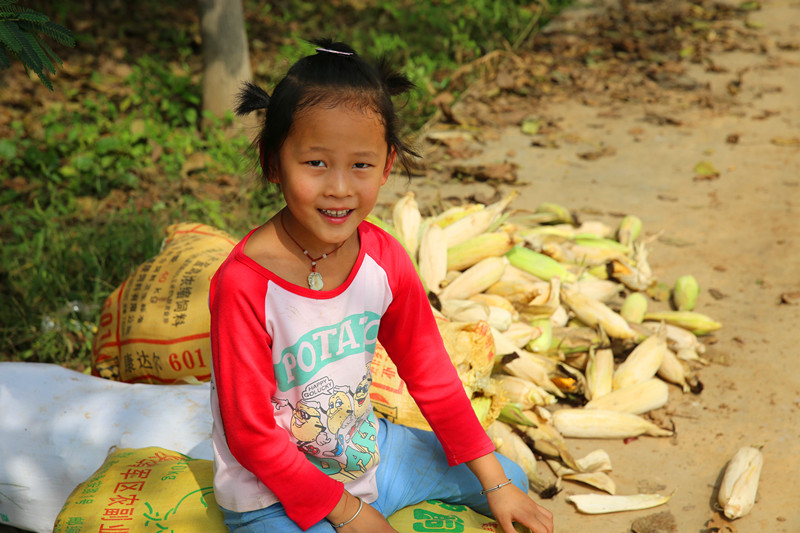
(509,504)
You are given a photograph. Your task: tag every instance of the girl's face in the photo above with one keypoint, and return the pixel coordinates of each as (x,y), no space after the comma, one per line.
(330,169)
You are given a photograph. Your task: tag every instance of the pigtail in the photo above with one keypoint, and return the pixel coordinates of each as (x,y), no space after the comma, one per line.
(395,82)
(251,98)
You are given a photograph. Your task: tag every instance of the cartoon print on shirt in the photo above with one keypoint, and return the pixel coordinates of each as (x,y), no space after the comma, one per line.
(344,442)
(306,425)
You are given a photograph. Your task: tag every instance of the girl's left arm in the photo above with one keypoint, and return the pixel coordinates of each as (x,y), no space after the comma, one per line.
(508,503)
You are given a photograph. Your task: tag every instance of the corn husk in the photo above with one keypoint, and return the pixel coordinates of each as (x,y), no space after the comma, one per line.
(540,265)
(602,424)
(697,323)
(643,362)
(476,222)
(522,392)
(407,221)
(685,293)
(630,227)
(672,370)
(737,491)
(599,373)
(432,255)
(638,398)
(512,446)
(524,365)
(475,279)
(601,503)
(634,307)
(595,313)
(471,251)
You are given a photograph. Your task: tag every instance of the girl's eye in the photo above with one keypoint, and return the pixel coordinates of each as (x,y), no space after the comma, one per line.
(362,165)
(315,163)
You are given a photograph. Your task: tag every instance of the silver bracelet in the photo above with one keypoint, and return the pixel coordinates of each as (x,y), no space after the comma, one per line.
(486,491)
(360,505)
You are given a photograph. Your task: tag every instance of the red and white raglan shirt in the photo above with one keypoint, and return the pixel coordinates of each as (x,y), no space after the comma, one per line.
(293,422)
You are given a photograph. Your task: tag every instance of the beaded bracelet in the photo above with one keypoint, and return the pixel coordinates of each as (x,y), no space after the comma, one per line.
(486,491)
(360,505)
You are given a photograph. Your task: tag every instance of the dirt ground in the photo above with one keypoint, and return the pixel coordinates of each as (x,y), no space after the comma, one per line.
(603,155)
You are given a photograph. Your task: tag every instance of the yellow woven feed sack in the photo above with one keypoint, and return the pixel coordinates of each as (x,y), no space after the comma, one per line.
(434,516)
(144,489)
(471,348)
(154,328)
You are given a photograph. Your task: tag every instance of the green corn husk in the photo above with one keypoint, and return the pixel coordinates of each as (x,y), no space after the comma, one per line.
(685,293)
(634,307)
(540,265)
(697,323)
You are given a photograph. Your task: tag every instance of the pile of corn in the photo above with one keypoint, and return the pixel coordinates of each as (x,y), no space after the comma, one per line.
(577,352)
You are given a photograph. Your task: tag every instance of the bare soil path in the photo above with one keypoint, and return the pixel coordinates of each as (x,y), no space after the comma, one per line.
(605,150)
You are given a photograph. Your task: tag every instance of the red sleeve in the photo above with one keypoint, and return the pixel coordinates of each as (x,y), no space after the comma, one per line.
(245,383)
(411,337)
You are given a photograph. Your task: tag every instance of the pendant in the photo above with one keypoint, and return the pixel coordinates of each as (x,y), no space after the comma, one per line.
(315,281)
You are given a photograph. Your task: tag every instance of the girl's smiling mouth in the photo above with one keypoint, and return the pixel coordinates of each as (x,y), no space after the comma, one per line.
(335,213)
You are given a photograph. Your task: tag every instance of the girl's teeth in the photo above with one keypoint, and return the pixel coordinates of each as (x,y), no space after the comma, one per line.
(331,213)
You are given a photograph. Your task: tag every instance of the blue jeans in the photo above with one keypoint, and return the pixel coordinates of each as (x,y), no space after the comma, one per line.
(413,469)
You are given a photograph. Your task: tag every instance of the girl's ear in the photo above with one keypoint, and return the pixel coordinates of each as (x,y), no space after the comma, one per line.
(389,164)
(266,164)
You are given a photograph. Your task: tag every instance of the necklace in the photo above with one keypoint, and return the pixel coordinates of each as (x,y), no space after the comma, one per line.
(314,278)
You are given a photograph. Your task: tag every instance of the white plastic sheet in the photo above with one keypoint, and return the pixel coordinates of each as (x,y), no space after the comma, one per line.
(57,425)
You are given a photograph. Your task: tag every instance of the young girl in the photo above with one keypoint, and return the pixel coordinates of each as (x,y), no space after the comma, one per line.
(296,310)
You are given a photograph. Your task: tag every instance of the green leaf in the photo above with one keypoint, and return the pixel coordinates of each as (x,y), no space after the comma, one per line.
(8,36)
(8,149)
(5,61)
(59,33)
(32,41)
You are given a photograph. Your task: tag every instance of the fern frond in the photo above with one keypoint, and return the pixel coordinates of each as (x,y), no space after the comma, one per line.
(58,33)
(28,51)
(8,36)
(49,51)
(36,44)
(32,16)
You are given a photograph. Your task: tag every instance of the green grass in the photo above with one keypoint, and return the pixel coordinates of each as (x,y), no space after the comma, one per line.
(92,178)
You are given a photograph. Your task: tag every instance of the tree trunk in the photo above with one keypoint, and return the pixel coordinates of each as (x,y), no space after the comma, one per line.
(225,53)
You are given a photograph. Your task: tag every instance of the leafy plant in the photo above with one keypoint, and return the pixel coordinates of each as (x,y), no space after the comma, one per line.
(21,31)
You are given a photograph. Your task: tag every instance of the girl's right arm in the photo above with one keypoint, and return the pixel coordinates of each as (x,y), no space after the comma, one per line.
(245,384)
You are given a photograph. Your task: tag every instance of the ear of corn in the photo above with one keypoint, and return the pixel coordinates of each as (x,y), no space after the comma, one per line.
(602,503)
(521,365)
(685,293)
(540,265)
(599,289)
(432,258)
(476,222)
(560,214)
(453,214)
(546,439)
(407,219)
(520,333)
(697,323)
(602,424)
(595,313)
(495,300)
(599,373)
(512,446)
(471,251)
(678,338)
(672,370)
(541,344)
(464,310)
(501,319)
(545,301)
(634,272)
(737,492)
(634,307)
(475,279)
(643,362)
(523,392)
(629,230)
(638,398)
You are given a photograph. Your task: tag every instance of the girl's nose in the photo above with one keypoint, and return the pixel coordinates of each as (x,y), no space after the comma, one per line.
(338,183)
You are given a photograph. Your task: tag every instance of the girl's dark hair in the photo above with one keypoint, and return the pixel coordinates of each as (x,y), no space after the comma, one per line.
(335,75)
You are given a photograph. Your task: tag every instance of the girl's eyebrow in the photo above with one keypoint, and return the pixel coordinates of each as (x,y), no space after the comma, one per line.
(359,153)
